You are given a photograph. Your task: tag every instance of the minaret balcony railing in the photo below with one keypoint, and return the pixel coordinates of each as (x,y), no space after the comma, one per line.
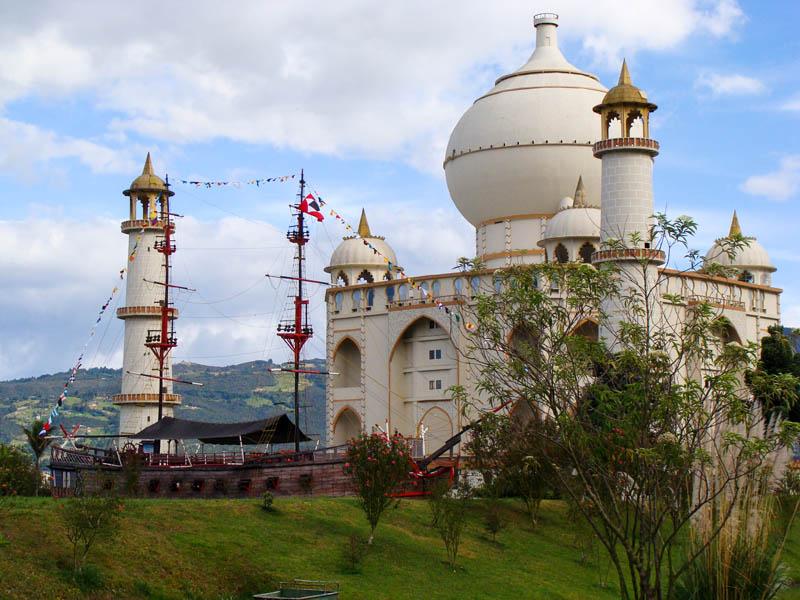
(297,236)
(139,224)
(144,311)
(626,143)
(144,398)
(161,246)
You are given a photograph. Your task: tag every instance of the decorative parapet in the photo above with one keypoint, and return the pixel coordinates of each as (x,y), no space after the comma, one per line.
(145,399)
(138,224)
(656,256)
(144,311)
(628,143)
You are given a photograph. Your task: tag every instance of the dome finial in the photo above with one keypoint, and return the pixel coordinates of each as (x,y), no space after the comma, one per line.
(624,74)
(363,226)
(148,166)
(579,199)
(735,228)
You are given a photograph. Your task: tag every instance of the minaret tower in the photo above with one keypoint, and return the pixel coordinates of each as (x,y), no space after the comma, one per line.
(142,313)
(626,198)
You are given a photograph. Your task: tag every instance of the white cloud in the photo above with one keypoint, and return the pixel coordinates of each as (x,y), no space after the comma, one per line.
(780,184)
(793,104)
(730,84)
(24,147)
(356,77)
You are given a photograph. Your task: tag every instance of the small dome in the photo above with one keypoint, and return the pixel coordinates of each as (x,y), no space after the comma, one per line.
(575,219)
(581,222)
(753,256)
(566,202)
(354,252)
(625,92)
(148,181)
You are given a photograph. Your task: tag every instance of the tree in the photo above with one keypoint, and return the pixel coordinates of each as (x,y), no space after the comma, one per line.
(17,473)
(775,382)
(377,464)
(449,516)
(89,518)
(652,422)
(38,444)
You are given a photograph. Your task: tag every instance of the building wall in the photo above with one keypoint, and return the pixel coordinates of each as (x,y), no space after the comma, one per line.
(394,343)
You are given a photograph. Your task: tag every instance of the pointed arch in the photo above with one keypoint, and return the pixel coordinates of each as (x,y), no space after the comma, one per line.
(341,279)
(439,427)
(423,364)
(561,253)
(346,426)
(726,332)
(347,362)
(365,277)
(587,328)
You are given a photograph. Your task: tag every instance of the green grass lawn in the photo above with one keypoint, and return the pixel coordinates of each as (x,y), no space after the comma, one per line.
(231,549)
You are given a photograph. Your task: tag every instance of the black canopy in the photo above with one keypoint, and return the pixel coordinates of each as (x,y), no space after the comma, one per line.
(274,430)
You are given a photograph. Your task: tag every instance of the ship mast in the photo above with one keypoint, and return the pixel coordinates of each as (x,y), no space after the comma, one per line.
(162,341)
(297,331)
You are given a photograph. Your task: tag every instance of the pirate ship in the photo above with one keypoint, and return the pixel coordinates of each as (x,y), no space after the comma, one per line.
(149,455)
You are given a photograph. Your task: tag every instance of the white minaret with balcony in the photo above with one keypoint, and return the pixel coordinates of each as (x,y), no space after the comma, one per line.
(138,400)
(626,197)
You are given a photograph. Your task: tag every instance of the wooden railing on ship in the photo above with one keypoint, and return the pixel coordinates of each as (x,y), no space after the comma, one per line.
(88,457)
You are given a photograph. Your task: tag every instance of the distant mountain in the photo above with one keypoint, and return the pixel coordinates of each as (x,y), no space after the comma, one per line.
(240,392)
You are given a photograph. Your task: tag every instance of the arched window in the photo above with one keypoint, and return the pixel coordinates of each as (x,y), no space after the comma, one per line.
(562,255)
(746,276)
(387,276)
(498,285)
(337,301)
(586,252)
(475,285)
(458,286)
(634,124)
(424,291)
(403,292)
(365,277)
(356,299)
(613,125)
(347,363)
(436,288)
(390,293)
(588,329)
(341,279)
(370,298)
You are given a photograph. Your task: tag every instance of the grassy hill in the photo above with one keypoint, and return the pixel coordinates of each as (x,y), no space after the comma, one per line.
(233,393)
(231,549)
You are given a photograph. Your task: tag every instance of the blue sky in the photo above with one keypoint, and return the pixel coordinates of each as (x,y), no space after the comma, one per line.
(362,95)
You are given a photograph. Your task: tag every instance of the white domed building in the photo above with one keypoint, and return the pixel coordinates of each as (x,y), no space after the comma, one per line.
(543,170)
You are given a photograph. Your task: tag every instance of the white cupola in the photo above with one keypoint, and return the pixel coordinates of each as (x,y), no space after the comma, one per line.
(573,234)
(752,263)
(362,258)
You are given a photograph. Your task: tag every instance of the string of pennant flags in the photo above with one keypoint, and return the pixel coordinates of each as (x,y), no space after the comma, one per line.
(256,182)
(73,372)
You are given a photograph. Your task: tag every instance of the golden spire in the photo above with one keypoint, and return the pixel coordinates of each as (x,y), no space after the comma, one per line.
(148,166)
(624,74)
(735,228)
(363,226)
(579,199)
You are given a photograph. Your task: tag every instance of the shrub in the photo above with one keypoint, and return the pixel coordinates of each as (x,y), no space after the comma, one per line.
(18,475)
(493,520)
(449,514)
(266,502)
(376,464)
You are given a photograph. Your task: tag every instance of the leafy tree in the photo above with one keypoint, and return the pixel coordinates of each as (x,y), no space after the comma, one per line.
(449,516)
(775,383)
(89,518)
(652,423)
(17,472)
(377,464)
(38,444)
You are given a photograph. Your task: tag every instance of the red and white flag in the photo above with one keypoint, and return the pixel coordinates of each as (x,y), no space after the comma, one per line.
(310,206)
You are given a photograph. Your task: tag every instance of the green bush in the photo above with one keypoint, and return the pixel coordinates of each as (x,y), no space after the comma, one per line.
(353,554)
(449,516)
(18,474)
(267,499)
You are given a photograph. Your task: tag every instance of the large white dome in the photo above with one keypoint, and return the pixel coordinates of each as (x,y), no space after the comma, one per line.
(520,148)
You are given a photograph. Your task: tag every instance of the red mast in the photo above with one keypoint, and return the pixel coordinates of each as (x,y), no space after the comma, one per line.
(296,332)
(162,341)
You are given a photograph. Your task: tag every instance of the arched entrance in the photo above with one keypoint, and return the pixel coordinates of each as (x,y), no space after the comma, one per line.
(346,427)
(438,428)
